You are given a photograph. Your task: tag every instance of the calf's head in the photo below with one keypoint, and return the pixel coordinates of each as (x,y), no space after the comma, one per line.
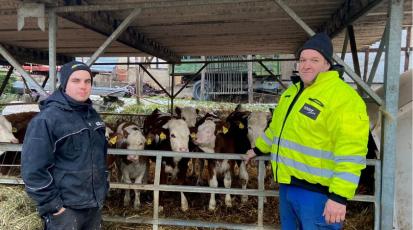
(178,134)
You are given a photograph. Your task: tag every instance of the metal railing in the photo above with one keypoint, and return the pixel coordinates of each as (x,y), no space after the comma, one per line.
(226,78)
(156,187)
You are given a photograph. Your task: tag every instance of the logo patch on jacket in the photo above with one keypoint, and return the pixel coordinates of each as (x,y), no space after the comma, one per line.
(310,111)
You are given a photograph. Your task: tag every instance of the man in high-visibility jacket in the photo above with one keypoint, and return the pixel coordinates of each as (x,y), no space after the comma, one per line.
(317,139)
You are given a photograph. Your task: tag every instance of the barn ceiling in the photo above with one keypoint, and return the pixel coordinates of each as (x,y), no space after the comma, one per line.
(170,29)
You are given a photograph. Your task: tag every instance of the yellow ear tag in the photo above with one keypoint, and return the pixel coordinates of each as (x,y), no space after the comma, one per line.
(14,130)
(241,126)
(113,140)
(193,135)
(162,136)
(224,129)
(149,141)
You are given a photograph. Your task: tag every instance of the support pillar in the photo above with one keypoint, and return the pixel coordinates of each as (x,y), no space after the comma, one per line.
(52,20)
(250,81)
(391,92)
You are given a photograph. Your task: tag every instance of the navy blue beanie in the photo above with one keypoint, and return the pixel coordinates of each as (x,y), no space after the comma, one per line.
(321,43)
(67,70)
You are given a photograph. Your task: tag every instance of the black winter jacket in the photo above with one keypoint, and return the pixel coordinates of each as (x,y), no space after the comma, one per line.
(64,156)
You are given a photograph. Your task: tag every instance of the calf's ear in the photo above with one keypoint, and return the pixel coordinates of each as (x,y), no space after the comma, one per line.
(178,111)
(166,126)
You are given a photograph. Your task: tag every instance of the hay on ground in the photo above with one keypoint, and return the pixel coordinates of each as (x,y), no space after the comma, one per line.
(17,210)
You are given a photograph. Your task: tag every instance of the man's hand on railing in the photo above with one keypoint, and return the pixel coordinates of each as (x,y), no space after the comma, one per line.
(248,156)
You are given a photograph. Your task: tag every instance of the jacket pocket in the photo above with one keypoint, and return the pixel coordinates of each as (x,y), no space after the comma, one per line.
(75,187)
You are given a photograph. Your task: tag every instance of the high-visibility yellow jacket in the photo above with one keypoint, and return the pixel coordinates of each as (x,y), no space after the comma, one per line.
(319,134)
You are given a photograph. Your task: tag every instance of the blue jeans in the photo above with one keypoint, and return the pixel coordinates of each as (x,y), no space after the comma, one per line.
(303,209)
(75,219)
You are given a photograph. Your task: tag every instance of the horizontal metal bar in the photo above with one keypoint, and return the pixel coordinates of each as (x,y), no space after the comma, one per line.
(372,162)
(188,223)
(223,156)
(8,165)
(10,180)
(192,189)
(204,189)
(10,147)
(364,198)
(195,189)
(124,114)
(19,103)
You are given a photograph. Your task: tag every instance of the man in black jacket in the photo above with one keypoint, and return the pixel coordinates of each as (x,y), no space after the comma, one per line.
(64,155)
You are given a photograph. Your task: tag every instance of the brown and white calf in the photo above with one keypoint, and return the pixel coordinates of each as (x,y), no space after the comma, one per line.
(188,114)
(191,116)
(131,167)
(164,132)
(215,137)
(134,167)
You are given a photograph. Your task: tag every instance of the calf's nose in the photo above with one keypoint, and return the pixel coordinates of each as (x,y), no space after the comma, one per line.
(183,149)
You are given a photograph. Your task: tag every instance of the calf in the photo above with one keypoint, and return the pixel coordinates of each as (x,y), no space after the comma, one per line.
(6,132)
(238,130)
(12,130)
(134,166)
(164,132)
(190,115)
(112,161)
(215,137)
(257,123)
(130,167)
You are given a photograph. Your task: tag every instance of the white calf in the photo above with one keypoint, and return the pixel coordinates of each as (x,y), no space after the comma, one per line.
(257,122)
(6,132)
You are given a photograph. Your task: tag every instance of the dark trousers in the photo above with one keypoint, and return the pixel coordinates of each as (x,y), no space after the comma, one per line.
(75,219)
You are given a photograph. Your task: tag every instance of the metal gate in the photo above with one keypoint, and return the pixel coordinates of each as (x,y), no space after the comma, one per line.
(260,192)
(226,78)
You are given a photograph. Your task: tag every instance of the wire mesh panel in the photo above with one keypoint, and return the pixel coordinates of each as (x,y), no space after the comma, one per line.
(226,78)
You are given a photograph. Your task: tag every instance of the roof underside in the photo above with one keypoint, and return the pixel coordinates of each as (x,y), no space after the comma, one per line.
(169,29)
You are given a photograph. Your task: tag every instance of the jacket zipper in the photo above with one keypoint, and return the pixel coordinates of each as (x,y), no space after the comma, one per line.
(90,131)
(282,127)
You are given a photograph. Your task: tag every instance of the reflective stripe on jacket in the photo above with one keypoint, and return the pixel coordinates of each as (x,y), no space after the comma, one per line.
(322,139)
